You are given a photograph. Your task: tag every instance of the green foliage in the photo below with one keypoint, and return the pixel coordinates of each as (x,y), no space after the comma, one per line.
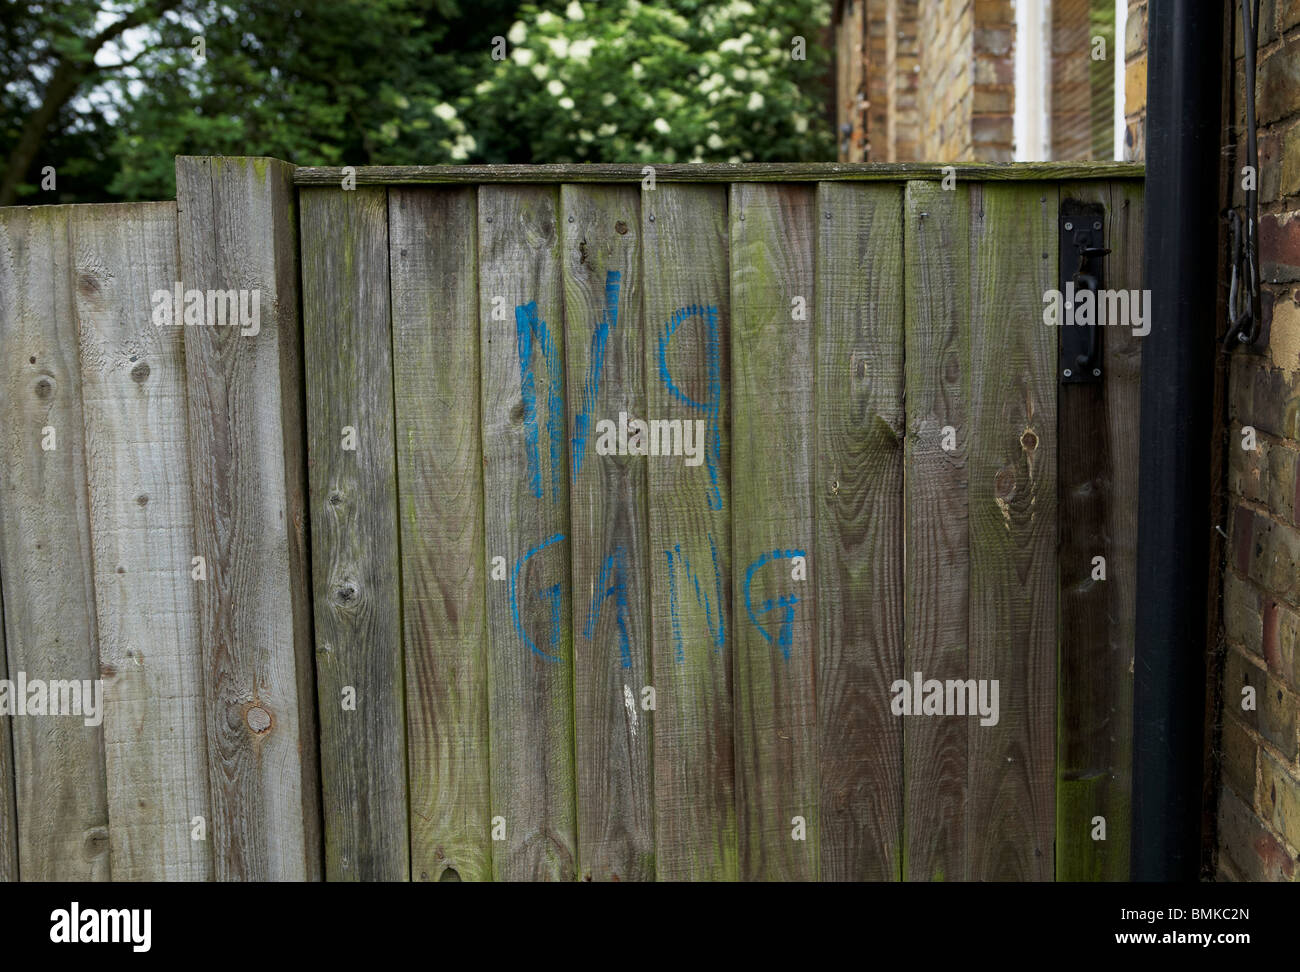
(400,82)
(684,81)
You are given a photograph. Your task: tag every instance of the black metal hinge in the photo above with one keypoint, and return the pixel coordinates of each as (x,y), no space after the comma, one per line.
(1082,268)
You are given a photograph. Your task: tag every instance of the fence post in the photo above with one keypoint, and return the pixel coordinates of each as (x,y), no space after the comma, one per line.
(237,225)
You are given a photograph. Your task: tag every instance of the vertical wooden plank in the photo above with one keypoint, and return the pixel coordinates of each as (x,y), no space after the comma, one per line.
(600,231)
(50,630)
(1098,497)
(8,814)
(776,716)
(355,579)
(1122,356)
(858,505)
(237,229)
(440,496)
(1012,509)
(526,522)
(936,278)
(687,366)
(141,520)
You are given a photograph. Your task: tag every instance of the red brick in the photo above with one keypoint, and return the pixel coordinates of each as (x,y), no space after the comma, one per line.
(1239,755)
(1242,620)
(1278,84)
(1283,481)
(1288,14)
(1265,397)
(1267,29)
(1279,245)
(1275,563)
(1243,538)
(1247,468)
(1274,715)
(1280,642)
(1250,849)
(993,40)
(1279,798)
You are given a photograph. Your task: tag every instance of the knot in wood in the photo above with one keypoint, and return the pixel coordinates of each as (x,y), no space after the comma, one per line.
(259,720)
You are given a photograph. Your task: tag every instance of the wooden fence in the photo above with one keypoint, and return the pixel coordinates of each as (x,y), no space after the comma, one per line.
(379,586)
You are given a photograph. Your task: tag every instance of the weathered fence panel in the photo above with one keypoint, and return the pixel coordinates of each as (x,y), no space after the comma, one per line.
(1011,499)
(631,508)
(858,507)
(936,542)
(45,549)
(772,287)
(8,813)
(526,506)
(688,372)
(355,574)
(1098,517)
(141,524)
(600,229)
(237,229)
(433,261)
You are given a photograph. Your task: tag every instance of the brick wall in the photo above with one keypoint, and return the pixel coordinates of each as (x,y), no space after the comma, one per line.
(906,133)
(1135,81)
(1259,795)
(930,80)
(880,88)
(947,78)
(992,124)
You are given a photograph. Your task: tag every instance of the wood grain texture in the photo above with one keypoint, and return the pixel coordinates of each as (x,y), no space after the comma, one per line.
(355,572)
(719,172)
(1098,504)
(141,521)
(8,813)
(526,511)
(858,505)
(237,229)
(772,246)
(685,240)
(1122,356)
(50,630)
(432,234)
(600,233)
(936,262)
(1011,499)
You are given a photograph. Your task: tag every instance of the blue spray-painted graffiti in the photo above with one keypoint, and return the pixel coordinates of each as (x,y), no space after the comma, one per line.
(717,628)
(612,583)
(527,328)
(712,406)
(605,328)
(551,593)
(786,629)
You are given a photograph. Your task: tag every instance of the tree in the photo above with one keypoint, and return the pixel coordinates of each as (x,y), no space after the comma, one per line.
(48,54)
(675,81)
(110,93)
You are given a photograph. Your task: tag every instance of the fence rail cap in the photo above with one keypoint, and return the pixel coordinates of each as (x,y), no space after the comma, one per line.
(719,172)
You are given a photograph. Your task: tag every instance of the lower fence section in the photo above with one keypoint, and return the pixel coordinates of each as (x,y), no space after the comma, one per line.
(702,532)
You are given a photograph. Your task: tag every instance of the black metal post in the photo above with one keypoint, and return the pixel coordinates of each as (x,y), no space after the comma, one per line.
(1181,268)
